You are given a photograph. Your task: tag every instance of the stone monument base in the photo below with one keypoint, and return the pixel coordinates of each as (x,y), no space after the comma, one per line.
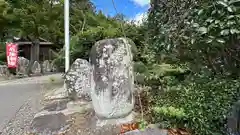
(119,121)
(89,124)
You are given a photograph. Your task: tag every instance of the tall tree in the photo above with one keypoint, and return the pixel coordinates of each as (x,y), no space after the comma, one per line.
(201,33)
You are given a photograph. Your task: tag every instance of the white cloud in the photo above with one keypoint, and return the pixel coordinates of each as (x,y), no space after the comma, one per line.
(139,18)
(141,2)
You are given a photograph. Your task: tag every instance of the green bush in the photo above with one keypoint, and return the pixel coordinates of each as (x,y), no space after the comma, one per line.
(155,74)
(139,67)
(199,103)
(2,53)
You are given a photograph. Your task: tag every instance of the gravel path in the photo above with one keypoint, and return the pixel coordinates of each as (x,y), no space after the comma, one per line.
(20,122)
(33,80)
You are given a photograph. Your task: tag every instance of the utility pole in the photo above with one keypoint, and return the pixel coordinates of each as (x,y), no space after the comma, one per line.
(66,33)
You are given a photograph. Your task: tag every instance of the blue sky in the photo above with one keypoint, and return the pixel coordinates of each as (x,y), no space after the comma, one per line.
(130,8)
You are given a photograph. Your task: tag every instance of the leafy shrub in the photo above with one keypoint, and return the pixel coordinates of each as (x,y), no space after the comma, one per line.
(155,74)
(171,111)
(139,67)
(139,70)
(2,53)
(199,103)
(202,33)
(82,42)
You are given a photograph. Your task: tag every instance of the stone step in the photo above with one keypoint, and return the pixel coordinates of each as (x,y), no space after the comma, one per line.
(147,131)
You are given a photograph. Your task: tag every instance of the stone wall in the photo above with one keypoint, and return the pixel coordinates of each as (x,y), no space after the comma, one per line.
(23,68)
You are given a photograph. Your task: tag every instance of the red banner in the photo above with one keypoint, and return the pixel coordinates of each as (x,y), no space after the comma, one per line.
(12,55)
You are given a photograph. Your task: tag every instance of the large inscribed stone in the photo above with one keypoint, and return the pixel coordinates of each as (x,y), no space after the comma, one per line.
(78,79)
(112,94)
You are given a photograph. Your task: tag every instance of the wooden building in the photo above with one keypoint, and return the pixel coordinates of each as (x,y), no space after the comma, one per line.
(35,51)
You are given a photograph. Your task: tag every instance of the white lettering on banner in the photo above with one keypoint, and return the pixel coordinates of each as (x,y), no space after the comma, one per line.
(11,51)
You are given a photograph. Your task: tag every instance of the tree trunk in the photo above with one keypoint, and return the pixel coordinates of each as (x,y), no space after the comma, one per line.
(34,54)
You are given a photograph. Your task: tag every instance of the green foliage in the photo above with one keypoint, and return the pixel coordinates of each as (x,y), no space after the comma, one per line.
(200,103)
(140,67)
(155,75)
(171,111)
(2,52)
(166,24)
(44,19)
(97,27)
(201,33)
(217,37)
(38,19)
(165,69)
(197,37)
(203,36)
(142,124)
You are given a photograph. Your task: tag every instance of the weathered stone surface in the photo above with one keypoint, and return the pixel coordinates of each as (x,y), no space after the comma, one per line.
(46,66)
(147,131)
(23,64)
(154,125)
(49,124)
(118,121)
(78,79)
(112,94)
(59,93)
(56,106)
(4,70)
(55,117)
(36,68)
(53,67)
(88,124)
